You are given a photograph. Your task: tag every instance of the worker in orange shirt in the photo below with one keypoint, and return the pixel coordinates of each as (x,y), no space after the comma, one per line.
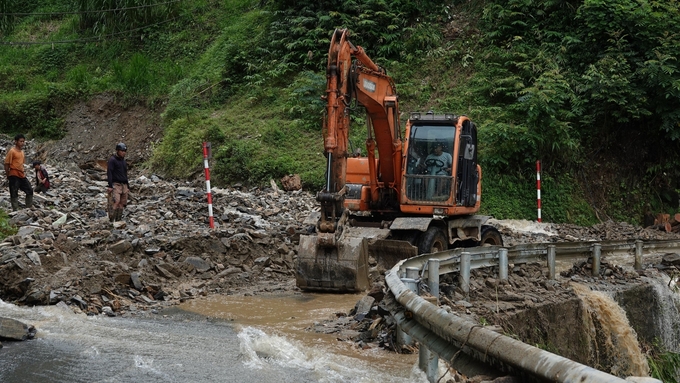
(14,170)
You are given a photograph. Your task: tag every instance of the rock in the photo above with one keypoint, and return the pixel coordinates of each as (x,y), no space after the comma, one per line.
(34,257)
(9,256)
(123,279)
(28,230)
(19,263)
(79,301)
(363,306)
(229,271)
(164,272)
(121,247)
(264,261)
(36,297)
(199,264)
(291,182)
(54,296)
(15,330)
(136,281)
(377,292)
(671,259)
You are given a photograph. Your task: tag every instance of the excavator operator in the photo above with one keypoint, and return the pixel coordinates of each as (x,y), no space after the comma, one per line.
(439,162)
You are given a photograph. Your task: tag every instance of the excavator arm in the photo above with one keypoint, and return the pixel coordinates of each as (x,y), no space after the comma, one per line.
(352,76)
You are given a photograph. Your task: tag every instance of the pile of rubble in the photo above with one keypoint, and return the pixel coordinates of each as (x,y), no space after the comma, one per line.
(162,252)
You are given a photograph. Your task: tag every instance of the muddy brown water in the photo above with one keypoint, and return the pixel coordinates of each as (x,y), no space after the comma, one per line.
(292,315)
(220,339)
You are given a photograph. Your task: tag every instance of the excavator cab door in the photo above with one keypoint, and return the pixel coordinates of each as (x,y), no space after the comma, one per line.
(467,174)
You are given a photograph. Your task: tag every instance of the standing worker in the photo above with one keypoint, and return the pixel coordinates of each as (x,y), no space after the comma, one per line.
(42,179)
(14,170)
(118,190)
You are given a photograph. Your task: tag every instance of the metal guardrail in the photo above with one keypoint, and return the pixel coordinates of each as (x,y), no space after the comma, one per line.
(449,260)
(446,334)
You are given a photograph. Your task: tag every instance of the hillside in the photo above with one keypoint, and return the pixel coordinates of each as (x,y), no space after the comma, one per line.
(588,87)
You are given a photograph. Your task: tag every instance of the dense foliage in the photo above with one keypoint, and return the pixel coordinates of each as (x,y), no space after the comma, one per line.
(590,87)
(581,82)
(570,73)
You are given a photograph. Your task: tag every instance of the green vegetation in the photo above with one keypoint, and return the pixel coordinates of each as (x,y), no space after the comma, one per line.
(6,229)
(589,87)
(664,365)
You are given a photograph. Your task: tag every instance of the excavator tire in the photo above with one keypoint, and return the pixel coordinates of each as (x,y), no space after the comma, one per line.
(432,241)
(490,236)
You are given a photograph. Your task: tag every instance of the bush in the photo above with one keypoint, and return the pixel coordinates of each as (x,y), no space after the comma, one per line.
(134,77)
(6,229)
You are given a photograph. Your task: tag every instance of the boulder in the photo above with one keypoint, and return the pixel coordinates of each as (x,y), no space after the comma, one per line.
(291,182)
(15,330)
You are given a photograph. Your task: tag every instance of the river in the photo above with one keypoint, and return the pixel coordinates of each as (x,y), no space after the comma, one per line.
(216,339)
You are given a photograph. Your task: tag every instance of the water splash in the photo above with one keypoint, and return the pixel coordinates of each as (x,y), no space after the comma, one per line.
(260,350)
(614,332)
(668,316)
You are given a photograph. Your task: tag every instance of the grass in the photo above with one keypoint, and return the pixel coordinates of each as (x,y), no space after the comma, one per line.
(665,366)
(198,72)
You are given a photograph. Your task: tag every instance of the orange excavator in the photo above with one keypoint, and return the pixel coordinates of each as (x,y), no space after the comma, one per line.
(411,194)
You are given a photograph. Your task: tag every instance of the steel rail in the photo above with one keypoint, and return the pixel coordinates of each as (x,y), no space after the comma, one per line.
(487,256)
(436,328)
(486,345)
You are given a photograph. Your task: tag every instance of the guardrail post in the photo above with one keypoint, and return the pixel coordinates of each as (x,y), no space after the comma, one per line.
(503,264)
(638,255)
(413,273)
(404,339)
(465,274)
(428,362)
(551,262)
(596,259)
(433,278)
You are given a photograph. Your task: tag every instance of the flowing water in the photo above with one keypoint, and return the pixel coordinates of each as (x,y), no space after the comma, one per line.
(222,339)
(668,320)
(614,331)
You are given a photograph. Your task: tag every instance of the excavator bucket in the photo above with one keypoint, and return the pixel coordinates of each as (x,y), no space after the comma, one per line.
(339,268)
(387,252)
(343,266)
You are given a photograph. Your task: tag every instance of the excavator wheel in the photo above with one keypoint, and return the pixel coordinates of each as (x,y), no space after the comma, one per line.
(490,236)
(432,241)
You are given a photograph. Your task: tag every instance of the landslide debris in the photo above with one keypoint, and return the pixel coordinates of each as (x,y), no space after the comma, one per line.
(163,251)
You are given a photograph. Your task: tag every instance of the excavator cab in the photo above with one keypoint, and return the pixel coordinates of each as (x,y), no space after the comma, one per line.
(429,170)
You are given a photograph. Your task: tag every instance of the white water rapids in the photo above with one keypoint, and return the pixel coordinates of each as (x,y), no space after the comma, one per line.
(183,347)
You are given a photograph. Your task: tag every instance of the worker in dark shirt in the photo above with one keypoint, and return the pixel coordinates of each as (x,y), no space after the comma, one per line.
(118,189)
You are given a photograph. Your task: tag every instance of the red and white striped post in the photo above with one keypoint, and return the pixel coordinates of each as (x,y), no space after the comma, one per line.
(206,149)
(538,187)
